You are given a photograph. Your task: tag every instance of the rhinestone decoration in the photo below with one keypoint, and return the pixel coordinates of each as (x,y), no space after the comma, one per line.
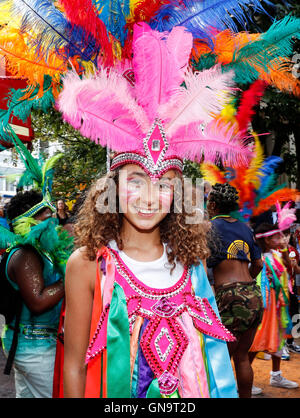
(205,319)
(138,287)
(163,355)
(170,163)
(155,147)
(156,144)
(167,383)
(164,307)
(163,343)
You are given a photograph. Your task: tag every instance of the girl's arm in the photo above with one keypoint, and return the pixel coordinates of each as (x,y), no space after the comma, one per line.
(80,282)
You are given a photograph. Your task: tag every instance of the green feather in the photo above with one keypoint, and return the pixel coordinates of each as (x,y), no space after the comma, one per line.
(7,238)
(21,108)
(266,51)
(31,164)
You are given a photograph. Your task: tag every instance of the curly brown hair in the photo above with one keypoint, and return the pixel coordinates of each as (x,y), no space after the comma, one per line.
(186,243)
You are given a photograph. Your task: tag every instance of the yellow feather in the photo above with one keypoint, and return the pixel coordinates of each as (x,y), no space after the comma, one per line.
(251,175)
(24,63)
(212,173)
(5,14)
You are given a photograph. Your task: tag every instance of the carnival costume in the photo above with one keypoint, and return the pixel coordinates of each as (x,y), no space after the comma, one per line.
(29,333)
(134,89)
(274,282)
(257,185)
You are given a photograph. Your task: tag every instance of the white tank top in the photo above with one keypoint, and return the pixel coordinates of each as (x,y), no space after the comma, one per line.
(156,273)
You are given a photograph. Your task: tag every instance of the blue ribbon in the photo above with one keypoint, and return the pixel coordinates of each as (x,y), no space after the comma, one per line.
(221,378)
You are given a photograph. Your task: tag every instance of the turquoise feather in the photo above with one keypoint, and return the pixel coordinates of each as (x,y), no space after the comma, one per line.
(266,51)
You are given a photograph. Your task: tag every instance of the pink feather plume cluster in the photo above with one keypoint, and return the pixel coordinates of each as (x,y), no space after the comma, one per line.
(116,113)
(285,216)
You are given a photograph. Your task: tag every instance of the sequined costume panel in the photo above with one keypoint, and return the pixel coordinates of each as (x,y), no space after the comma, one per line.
(173,321)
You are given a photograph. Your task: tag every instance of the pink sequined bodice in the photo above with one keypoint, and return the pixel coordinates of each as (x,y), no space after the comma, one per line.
(164,340)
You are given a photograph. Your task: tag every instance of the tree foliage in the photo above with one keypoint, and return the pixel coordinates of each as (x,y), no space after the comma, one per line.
(83,160)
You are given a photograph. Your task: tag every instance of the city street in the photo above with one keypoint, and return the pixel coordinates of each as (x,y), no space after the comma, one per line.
(290,370)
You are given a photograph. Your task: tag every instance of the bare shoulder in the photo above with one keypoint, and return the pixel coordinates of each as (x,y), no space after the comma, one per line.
(79,258)
(81,268)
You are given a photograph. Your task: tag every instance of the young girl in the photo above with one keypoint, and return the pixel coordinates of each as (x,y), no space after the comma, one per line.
(144,323)
(275,325)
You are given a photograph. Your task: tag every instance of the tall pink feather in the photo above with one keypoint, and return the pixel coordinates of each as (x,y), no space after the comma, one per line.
(210,143)
(103,109)
(203,96)
(158,70)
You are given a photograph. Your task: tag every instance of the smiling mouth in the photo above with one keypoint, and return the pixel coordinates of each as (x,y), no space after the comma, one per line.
(143,211)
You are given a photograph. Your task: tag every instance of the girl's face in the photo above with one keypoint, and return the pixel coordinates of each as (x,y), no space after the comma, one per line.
(275,242)
(143,201)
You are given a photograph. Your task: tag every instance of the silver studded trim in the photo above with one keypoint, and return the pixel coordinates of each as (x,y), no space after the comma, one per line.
(144,162)
(163,356)
(142,291)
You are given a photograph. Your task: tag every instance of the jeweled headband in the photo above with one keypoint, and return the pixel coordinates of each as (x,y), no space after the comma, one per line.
(153,161)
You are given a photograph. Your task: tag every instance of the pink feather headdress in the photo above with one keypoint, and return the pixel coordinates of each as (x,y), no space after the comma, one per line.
(155,112)
(285,218)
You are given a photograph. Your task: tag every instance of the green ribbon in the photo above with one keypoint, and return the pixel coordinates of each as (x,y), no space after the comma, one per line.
(153,390)
(277,283)
(118,346)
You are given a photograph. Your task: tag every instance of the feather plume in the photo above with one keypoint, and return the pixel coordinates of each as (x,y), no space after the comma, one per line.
(202,96)
(47,29)
(212,173)
(152,58)
(285,215)
(31,164)
(264,53)
(104,110)
(22,61)
(249,100)
(198,17)
(114,14)
(282,195)
(85,14)
(215,141)
(280,77)
(252,173)
(21,108)
(268,177)
(7,238)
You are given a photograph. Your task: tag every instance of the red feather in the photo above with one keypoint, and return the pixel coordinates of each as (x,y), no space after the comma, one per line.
(145,10)
(249,100)
(83,13)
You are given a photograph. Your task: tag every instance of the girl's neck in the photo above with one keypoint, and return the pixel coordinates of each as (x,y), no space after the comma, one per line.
(141,245)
